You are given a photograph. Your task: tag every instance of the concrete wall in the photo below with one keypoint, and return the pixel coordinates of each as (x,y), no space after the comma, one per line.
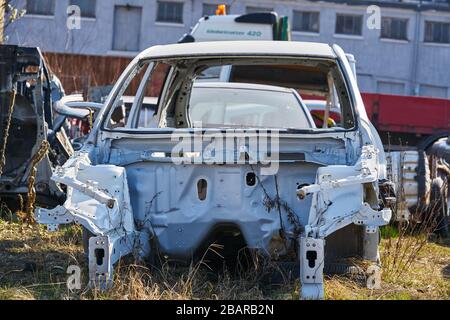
(389,66)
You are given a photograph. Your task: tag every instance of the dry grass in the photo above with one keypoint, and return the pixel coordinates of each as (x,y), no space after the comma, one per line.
(428,277)
(33,263)
(138,282)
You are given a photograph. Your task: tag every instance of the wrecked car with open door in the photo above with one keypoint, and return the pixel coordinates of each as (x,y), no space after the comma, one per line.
(31,145)
(242,159)
(33,123)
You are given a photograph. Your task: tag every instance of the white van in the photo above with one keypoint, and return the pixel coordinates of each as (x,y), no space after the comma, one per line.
(251,26)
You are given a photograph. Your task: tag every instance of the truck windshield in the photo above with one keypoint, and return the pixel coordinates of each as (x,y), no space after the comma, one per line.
(247,106)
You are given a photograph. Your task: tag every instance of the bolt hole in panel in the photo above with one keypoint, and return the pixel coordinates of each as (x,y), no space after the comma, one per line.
(311,256)
(202,186)
(250,179)
(99,255)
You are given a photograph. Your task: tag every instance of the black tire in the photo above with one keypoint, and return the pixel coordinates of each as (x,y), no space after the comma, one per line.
(439,207)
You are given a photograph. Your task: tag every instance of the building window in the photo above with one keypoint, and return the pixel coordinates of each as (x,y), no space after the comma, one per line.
(438,32)
(388,87)
(127,28)
(394,28)
(433,91)
(170,12)
(87,7)
(257,9)
(306,21)
(349,24)
(41,7)
(209,9)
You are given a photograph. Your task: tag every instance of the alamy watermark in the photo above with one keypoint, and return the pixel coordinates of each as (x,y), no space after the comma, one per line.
(73,17)
(373,21)
(74,279)
(373,277)
(249,146)
(373,280)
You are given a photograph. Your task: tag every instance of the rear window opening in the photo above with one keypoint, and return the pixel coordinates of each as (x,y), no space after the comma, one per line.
(306,94)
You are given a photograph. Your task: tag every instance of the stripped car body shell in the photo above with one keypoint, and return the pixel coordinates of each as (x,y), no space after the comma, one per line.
(125,189)
(28,87)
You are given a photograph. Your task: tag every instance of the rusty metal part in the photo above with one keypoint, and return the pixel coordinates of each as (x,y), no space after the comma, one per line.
(31,195)
(91,118)
(6,131)
(443,168)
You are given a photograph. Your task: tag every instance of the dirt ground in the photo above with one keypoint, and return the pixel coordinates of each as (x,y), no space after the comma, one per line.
(33,264)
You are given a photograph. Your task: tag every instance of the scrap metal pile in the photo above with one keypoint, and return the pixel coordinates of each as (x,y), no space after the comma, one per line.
(33,123)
